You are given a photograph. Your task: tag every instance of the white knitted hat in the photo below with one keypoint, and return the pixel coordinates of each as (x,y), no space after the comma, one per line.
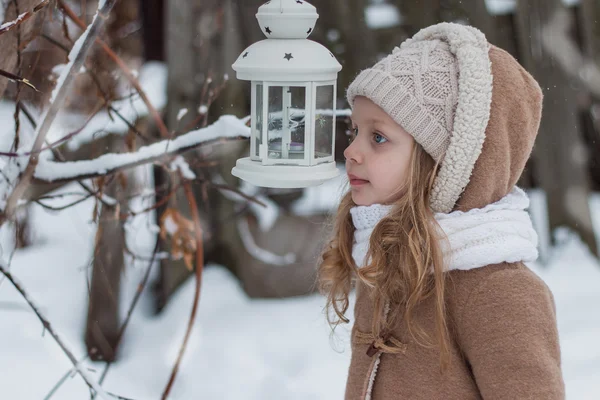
(438,87)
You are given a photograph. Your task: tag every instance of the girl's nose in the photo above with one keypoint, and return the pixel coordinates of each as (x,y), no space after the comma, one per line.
(352,152)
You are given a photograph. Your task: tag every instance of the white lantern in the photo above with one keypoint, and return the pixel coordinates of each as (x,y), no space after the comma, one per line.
(294,82)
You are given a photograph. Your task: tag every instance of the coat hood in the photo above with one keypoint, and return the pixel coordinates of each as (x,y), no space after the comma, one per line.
(498,112)
(514,120)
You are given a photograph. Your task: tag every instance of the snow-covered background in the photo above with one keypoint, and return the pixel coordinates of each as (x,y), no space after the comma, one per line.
(240,348)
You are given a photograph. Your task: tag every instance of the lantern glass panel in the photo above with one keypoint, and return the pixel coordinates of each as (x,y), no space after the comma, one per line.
(286,124)
(259,119)
(324,122)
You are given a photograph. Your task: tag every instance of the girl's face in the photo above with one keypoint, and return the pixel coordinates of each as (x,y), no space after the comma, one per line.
(378,159)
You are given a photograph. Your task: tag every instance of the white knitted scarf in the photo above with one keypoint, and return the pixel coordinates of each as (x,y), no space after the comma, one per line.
(498,232)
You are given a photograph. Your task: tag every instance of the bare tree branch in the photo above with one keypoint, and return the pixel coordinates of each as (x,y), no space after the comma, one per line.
(230,127)
(124,68)
(17,78)
(199,267)
(23,17)
(104,199)
(136,298)
(48,327)
(78,53)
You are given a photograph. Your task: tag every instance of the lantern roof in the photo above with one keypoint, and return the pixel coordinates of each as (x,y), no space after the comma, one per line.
(287,54)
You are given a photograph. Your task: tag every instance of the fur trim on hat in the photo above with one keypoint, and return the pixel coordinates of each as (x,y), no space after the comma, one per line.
(472,113)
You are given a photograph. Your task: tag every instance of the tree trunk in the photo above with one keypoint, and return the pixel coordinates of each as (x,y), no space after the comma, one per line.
(506,36)
(419,14)
(153,15)
(194,53)
(182,89)
(559,154)
(589,12)
(23,232)
(103,323)
(480,18)
(587,16)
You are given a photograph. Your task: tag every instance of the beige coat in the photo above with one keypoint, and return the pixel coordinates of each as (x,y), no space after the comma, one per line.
(502,317)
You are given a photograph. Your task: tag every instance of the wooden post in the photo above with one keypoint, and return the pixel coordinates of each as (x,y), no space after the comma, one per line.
(103,323)
(559,154)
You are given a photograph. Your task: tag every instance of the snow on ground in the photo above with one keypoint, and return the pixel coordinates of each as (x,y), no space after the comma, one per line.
(240,348)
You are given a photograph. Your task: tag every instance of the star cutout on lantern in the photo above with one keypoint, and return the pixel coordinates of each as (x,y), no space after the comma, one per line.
(298,2)
(245,55)
(268,30)
(331,54)
(309,31)
(288,56)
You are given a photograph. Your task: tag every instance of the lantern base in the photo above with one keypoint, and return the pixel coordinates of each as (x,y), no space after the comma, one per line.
(283,176)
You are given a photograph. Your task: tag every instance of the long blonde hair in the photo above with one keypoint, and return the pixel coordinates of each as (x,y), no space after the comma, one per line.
(406,262)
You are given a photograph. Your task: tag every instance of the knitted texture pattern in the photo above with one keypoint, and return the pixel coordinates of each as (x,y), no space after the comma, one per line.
(438,87)
(499,232)
(417,86)
(364,219)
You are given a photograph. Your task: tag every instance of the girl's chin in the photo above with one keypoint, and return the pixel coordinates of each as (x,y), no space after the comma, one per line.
(361,200)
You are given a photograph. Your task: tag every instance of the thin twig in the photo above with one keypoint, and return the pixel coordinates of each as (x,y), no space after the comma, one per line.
(96,81)
(57,142)
(158,204)
(207,103)
(199,267)
(238,192)
(124,68)
(61,208)
(17,78)
(104,199)
(48,327)
(55,42)
(61,195)
(23,17)
(58,99)
(62,380)
(136,298)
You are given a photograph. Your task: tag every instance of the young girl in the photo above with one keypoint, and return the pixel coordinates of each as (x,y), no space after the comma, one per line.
(434,233)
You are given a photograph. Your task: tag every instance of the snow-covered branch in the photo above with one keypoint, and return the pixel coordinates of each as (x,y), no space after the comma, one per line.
(76,58)
(153,80)
(224,129)
(7,26)
(127,72)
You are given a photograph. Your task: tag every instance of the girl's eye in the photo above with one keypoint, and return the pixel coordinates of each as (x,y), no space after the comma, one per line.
(352,134)
(378,138)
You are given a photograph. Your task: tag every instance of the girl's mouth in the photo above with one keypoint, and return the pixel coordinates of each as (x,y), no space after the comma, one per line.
(358,182)
(354,181)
